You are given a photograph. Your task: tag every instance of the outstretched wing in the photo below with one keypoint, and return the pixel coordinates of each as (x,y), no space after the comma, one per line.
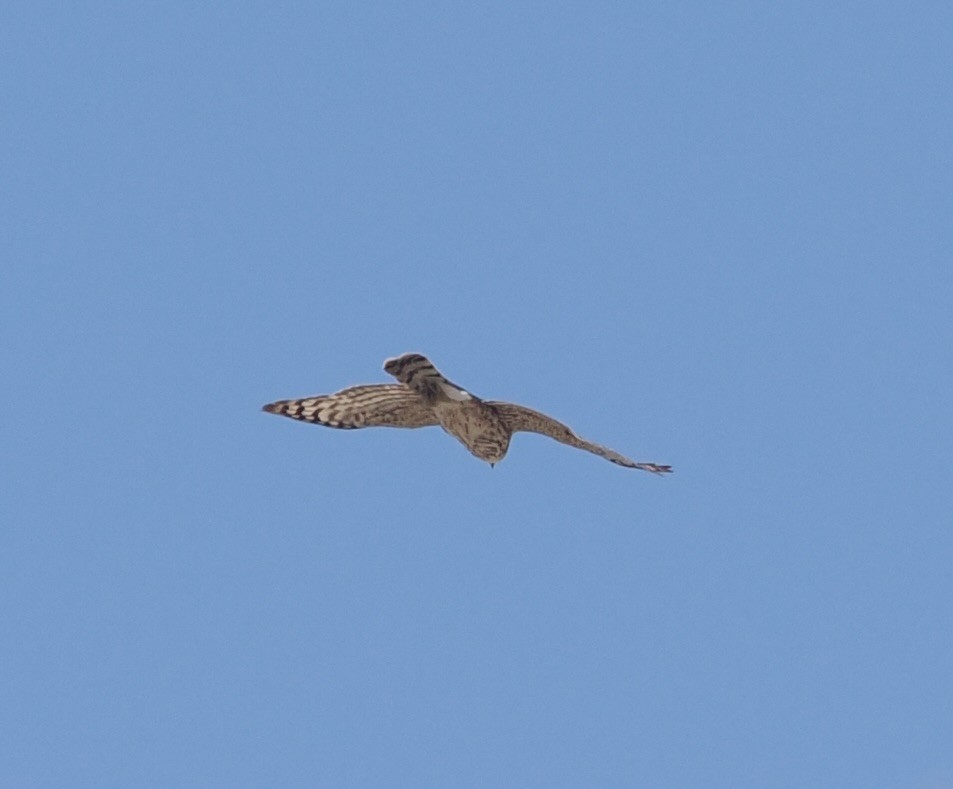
(520,418)
(374,405)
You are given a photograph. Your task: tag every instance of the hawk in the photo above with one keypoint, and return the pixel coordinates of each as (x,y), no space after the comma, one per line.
(423,397)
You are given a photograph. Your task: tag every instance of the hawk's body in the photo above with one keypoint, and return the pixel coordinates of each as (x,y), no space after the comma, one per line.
(423,398)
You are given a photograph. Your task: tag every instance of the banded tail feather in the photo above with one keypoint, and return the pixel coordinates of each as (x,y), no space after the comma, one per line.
(419,373)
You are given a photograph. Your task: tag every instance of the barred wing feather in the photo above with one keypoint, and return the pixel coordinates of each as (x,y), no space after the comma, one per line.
(520,418)
(374,405)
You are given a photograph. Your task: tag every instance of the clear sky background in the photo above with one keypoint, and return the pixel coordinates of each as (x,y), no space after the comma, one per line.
(716,235)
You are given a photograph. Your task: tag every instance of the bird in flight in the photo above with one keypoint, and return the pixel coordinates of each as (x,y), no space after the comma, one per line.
(423,397)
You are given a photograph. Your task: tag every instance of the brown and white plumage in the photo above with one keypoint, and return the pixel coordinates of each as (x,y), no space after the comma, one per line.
(520,418)
(374,405)
(424,397)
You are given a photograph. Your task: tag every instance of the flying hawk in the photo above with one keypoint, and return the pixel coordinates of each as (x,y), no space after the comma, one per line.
(424,397)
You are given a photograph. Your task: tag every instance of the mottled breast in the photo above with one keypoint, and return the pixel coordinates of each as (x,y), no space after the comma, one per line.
(477,426)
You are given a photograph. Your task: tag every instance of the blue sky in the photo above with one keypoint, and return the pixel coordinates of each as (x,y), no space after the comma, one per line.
(712,235)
